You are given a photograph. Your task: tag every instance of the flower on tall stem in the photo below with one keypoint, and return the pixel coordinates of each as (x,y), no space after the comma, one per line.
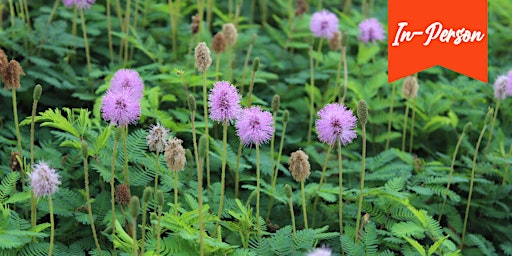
(224,102)
(254,126)
(370,30)
(336,124)
(44,180)
(128,80)
(79,3)
(323,24)
(120,107)
(503,87)
(157,138)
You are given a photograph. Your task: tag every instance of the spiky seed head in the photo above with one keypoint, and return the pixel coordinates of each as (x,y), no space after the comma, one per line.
(13,162)
(335,41)
(410,87)
(203,57)
(286,116)
(203,146)
(134,206)
(488,117)
(362,112)
(467,128)
(146,195)
(301,7)
(122,194)
(160,198)
(194,25)
(85,149)
(12,75)
(38,90)
(230,33)
(3,61)
(175,155)
(276,101)
(299,165)
(219,43)
(255,64)
(288,191)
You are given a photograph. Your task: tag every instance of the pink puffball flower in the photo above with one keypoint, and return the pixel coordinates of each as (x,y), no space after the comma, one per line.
(254,126)
(79,3)
(127,79)
(509,84)
(336,124)
(120,107)
(44,180)
(370,30)
(324,24)
(500,87)
(224,102)
(322,251)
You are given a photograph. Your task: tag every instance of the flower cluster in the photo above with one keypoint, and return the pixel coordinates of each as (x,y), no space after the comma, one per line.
(370,30)
(121,103)
(254,126)
(336,124)
(78,3)
(324,24)
(44,180)
(224,102)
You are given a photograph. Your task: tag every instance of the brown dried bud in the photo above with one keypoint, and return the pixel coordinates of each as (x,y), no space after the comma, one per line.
(219,43)
(335,41)
(203,58)
(301,8)
(230,33)
(11,75)
(13,162)
(299,165)
(410,87)
(123,194)
(3,62)
(194,26)
(175,155)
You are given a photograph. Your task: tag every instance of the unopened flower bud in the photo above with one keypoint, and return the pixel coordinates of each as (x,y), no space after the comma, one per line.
(123,194)
(276,101)
(134,206)
(255,64)
(286,115)
(148,192)
(488,117)
(362,112)
(191,102)
(335,41)
(38,90)
(160,198)
(467,128)
(203,147)
(288,191)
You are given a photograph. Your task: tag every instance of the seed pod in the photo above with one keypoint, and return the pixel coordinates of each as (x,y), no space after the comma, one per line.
(299,165)
(123,194)
(203,58)
(410,87)
(219,43)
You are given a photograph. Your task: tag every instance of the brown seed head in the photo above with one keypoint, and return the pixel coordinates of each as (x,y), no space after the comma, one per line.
(230,33)
(299,165)
(219,43)
(335,41)
(203,58)
(11,75)
(3,62)
(14,163)
(194,26)
(301,8)
(175,155)
(123,194)
(410,87)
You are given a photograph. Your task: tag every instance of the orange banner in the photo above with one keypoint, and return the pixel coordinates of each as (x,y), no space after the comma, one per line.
(426,33)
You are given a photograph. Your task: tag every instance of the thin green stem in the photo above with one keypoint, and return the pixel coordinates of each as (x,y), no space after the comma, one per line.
(505,174)
(209,11)
(12,14)
(126,30)
(258,189)
(411,136)
(173,28)
(206,130)
(237,172)
(134,236)
(109,34)
(276,169)
(87,54)
(217,67)
(246,63)
(143,226)
(405,124)
(112,189)
(52,225)
(322,177)
(272,145)
(89,207)
(251,86)
(338,75)
(125,148)
(156,170)
(304,211)
(471,185)
(340,181)
(176,193)
(312,93)
(363,162)
(319,52)
(489,140)
(32,140)
(223,174)
(199,184)
(450,176)
(158,230)
(54,9)
(393,91)
(292,215)
(17,127)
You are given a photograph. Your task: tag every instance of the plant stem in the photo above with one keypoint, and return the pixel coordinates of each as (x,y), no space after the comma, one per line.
(411,137)
(17,127)
(251,86)
(393,91)
(109,33)
(158,231)
(319,52)
(492,127)
(471,185)
(505,174)
(156,170)
(125,137)
(312,96)
(205,110)
(52,227)
(112,189)
(258,189)
(54,9)
(89,207)
(276,169)
(292,215)
(340,181)
(199,184)
(32,131)
(322,177)
(237,172)
(134,236)
(405,124)
(304,211)
(359,208)
(450,176)
(176,193)
(135,17)
(87,54)
(143,227)
(172,19)
(209,14)
(217,66)
(12,14)
(246,63)
(223,174)
(126,30)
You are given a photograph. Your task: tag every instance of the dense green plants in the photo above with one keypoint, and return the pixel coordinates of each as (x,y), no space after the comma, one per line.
(423,174)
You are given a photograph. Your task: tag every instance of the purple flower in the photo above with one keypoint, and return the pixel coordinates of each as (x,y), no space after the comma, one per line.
(44,180)
(79,3)
(120,107)
(509,83)
(502,87)
(224,102)
(254,126)
(336,124)
(127,79)
(322,251)
(371,30)
(324,24)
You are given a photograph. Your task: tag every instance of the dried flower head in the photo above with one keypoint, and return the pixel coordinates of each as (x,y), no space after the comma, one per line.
(123,194)
(127,80)
(335,41)
(371,30)
(324,24)
(120,107)
(175,155)
(203,58)
(500,87)
(44,180)
(11,75)
(299,165)
(194,25)
(14,164)
(79,3)
(219,43)
(3,62)
(322,251)
(224,102)
(230,33)
(301,7)
(410,87)
(157,138)
(254,126)
(336,124)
